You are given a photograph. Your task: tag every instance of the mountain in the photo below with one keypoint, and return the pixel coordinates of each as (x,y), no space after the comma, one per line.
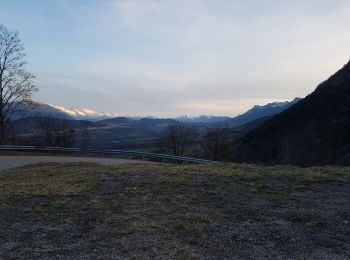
(31,125)
(109,132)
(40,109)
(117,120)
(314,131)
(84,113)
(258,112)
(112,133)
(201,119)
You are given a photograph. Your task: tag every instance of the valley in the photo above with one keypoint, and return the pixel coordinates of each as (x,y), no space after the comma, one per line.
(134,133)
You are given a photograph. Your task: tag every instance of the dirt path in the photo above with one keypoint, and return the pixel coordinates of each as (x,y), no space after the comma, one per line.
(8,162)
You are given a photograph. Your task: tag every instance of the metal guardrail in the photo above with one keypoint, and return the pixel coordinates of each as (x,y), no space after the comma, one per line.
(81,151)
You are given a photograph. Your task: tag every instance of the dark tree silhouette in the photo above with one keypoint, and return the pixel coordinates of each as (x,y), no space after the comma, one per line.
(176,139)
(85,137)
(216,143)
(56,132)
(16,83)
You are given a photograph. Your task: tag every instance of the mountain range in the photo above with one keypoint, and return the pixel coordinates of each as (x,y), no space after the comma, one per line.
(108,132)
(40,109)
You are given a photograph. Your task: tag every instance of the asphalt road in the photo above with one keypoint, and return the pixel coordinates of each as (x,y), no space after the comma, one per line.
(8,162)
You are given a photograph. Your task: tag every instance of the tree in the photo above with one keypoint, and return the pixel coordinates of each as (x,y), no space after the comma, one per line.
(16,83)
(56,132)
(216,143)
(176,139)
(85,137)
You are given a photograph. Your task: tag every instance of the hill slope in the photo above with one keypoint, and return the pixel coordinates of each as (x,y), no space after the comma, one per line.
(202,119)
(39,109)
(259,112)
(316,130)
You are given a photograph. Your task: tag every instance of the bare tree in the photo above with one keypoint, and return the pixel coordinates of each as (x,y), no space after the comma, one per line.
(47,128)
(56,132)
(16,83)
(216,143)
(176,139)
(85,137)
(13,138)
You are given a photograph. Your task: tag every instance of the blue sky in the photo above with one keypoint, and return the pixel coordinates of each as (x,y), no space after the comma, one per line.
(168,58)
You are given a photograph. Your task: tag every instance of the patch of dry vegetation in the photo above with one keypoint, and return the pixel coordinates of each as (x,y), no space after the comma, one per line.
(48,180)
(175,211)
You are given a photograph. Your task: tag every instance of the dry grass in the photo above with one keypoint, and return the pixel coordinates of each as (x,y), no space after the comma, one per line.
(48,180)
(86,211)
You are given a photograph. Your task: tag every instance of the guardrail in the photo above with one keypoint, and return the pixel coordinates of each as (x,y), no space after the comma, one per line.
(81,151)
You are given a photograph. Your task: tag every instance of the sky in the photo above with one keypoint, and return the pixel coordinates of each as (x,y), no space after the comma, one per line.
(168,58)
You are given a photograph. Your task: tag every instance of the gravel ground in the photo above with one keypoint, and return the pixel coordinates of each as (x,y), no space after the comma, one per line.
(8,162)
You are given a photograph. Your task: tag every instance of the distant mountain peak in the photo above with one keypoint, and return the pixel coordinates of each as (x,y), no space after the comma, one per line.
(85,113)
(263,111)
(42,109)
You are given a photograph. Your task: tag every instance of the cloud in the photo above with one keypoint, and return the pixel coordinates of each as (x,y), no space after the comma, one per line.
(186,56)
(133,11)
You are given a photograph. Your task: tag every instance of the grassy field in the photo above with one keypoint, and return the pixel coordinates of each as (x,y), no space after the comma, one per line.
(86,211)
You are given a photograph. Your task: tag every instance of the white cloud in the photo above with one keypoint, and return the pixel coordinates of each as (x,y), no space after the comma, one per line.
(133,11)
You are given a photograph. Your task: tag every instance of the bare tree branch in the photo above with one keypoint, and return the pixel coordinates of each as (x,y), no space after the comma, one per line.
(176,139)
(216,143)
(16,83)
(57,132)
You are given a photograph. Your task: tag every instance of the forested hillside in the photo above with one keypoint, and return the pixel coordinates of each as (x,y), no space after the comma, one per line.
(314,131)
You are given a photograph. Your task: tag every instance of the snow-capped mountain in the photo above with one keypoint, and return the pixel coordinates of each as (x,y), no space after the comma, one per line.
(255,113)
(84,113)
(41,109)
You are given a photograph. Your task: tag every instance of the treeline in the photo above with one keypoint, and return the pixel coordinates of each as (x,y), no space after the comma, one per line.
(59,133)
(179,139)
(52,131)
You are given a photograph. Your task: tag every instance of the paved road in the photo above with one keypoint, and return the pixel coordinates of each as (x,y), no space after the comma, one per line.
(7,162)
